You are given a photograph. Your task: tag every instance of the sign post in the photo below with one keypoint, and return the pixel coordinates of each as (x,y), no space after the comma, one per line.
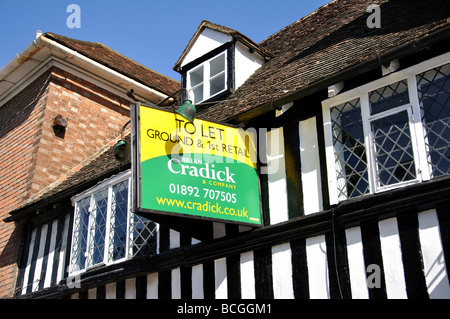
(200,169)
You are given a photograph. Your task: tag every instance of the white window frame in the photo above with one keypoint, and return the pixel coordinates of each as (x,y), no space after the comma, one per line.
(413,111)
(206,78)
(417,131)
(89,193)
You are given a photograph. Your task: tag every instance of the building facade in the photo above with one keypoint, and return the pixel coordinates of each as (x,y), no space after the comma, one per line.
(353,131)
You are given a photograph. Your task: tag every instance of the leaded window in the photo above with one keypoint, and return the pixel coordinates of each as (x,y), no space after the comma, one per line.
(389,133)
(434,98)
(105,231)
(350,151)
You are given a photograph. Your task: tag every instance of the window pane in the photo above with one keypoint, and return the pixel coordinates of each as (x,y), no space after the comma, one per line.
(434,98)
(217,84)
(119,214)
(349,150)
(388,97)
(393,149)
(98,228)
(196,76)
(80,232)
(198,94)
(217,65)
(142,237)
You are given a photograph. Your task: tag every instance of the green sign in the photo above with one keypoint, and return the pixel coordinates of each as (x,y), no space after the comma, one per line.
(198,169)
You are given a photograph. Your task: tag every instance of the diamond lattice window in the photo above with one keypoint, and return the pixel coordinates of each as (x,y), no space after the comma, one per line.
(350,152)
(106,231)
(393,149)
(142,237)
(118,221)
(389,135)
(80,232)
(434,98)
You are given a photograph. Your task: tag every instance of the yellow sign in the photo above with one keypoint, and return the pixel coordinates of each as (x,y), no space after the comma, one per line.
(170,133)
(200,169)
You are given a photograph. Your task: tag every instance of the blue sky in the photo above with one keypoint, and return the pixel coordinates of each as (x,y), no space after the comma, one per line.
(153,33)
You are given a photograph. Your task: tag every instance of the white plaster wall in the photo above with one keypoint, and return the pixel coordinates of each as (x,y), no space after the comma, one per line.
(30,257)
(92,293)
(197,282)
(282,271)
(247,276)
(356,265)
(276,169)
(152,286)
(316,254)
(221,284)
(110,291)
(51,253)
(218,230)
(207,41)
(392,259)
(246,64)
(176,283)
(310,167)
(433,256)
(174,239)
(130,288)
(64,250)
(38,269)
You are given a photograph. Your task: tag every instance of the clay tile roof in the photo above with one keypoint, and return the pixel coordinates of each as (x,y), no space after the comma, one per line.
(118,62)
(235,34)
(331,40)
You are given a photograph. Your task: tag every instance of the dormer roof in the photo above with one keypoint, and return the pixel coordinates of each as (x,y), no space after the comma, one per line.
(233,35)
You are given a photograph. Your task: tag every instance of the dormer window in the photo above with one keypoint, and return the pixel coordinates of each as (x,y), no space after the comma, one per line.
(217,61)
(208,79)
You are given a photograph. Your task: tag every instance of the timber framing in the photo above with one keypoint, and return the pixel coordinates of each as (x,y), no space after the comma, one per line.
(371,208)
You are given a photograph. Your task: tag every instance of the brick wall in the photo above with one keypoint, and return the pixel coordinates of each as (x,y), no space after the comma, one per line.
(95,116)
(20,123)
(33,157)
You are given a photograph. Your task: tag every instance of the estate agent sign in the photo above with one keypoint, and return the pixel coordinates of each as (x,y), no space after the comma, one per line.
(198,169)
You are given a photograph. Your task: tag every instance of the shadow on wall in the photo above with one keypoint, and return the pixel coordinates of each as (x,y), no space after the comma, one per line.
(19,109)
(9,259)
